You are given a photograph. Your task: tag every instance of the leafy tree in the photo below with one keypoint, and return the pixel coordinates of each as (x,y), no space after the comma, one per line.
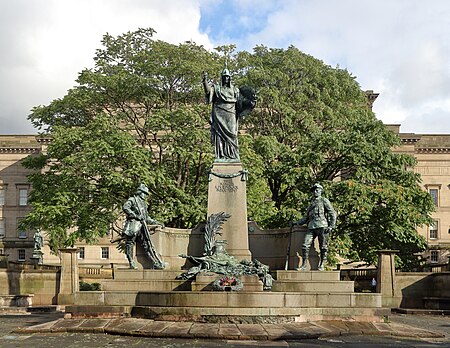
(138,116)
(313,124)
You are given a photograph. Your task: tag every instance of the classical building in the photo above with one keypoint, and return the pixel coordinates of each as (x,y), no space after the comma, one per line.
(433,164)
(432,152)
(18,245)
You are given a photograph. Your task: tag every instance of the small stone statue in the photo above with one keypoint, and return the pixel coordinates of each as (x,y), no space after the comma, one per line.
(136,227)
(320,219)
(38,240)
(228,105)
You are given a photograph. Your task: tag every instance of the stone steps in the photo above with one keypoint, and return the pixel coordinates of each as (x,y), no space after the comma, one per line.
(230,315)
(145,274)
(146,285)
(307,275)
(313,286)
(216,299)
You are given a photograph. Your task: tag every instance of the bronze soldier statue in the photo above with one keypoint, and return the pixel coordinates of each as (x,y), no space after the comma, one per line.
(320,219)
(136,227)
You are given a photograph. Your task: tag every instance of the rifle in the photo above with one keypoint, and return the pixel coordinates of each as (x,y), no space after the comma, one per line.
(286,265)
(150,248)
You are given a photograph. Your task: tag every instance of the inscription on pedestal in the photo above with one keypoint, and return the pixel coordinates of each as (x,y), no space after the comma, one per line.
(226,186)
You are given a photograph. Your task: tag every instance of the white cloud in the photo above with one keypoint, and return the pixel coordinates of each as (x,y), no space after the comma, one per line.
(46,43)
(399,48)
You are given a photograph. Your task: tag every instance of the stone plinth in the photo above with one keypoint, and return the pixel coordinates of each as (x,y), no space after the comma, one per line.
(386,276)
(227,193)
(69,282)
(204,282)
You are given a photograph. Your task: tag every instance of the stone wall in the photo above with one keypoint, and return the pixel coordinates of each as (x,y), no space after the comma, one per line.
(43,284)
(412,288)
(268,246)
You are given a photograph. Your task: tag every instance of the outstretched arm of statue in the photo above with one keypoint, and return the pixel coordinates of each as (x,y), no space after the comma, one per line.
(300,222)
(151,221)
(206,86)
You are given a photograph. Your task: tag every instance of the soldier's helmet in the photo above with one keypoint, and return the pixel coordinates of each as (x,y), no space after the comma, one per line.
(142,188)
(316,185)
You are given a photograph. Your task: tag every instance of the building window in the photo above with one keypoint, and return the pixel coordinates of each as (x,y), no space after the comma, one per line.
(434,256)
(21,234)
(81,252)
(434,230)
(21,255)
(105,253)
(434,193)
(23,197)
(2,196)
(2,228)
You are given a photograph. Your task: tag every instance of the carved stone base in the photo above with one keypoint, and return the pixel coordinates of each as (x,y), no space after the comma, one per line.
(227,193)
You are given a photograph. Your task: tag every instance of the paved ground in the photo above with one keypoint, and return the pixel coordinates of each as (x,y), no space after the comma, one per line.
(51,330)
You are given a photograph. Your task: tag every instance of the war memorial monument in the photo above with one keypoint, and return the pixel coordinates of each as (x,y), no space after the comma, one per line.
(225,283)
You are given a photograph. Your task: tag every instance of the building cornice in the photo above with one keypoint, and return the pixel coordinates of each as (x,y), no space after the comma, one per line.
(432,150)
(19,150)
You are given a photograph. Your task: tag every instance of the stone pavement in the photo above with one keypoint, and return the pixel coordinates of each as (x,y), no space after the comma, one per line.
(285,331)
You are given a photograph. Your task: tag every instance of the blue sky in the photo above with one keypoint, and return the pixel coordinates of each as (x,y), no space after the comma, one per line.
(398,48)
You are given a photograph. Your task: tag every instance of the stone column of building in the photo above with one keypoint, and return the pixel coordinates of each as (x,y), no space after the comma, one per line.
(227,193)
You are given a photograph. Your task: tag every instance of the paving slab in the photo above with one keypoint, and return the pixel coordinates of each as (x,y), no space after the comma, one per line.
(383,329)
(113,323)
(330,329)
(334,326)
(205,330)
(362,327)
(275,332)
(403,330)
(229,331)
(254,343)
(252,331)
(44,327)
(65,324)
(155,328)
(179,329)
(92,325)
(304,330)
(126,326)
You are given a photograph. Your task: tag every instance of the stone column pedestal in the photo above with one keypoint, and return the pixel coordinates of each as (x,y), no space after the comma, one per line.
(37,257)
(227,193)
(69,280)
(386,277)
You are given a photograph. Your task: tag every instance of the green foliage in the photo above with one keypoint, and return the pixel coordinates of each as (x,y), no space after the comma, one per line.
(90,287)
(139,116)
(313,124)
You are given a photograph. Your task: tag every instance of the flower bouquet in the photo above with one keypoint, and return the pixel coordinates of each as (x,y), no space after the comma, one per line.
(227,283)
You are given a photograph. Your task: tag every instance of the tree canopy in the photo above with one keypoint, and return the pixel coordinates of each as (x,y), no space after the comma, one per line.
(139,116)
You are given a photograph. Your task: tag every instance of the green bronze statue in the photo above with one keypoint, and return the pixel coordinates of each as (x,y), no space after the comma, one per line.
(229,103)
(320,219)
(136,227)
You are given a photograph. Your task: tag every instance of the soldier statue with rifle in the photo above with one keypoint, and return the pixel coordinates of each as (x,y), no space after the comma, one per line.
(320,219)
(136,227)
